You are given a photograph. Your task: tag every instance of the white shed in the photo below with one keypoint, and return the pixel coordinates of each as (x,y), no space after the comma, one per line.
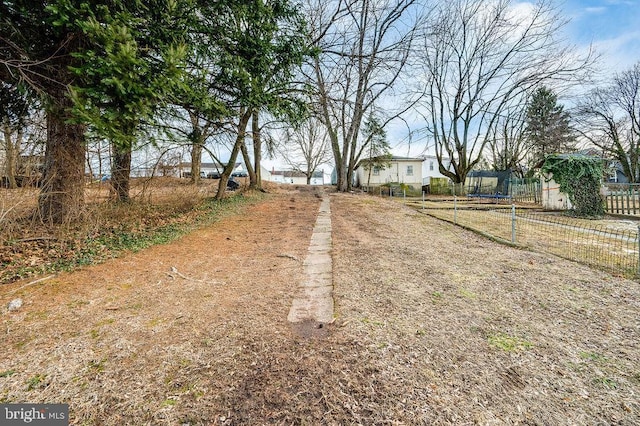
(552,197)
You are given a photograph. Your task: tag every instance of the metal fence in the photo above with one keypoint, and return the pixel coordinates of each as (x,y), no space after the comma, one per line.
(607,244)
(518,190)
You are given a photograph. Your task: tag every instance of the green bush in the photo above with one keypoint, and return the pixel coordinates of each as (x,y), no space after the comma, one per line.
(440,186)
(579,177)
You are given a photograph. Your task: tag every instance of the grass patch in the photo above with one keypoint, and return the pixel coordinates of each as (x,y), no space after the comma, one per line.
(467,294)
(508,343)
(36,382)
(605,382)
(169,402)
(97,366)
(367,320)
(436,296)
(593,356)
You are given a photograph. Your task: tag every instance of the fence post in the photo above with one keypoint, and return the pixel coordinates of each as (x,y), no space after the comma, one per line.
(422,200)
(455,210)
(638,270)
(513,223)
(404,196)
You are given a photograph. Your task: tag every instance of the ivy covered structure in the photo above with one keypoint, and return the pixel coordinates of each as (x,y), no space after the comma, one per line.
(579,176)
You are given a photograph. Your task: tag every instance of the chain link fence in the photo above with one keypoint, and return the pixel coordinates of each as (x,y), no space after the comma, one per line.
(607,244)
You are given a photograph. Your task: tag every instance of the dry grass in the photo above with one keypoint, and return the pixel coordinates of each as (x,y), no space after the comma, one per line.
(29,247)
(611,244)
(434,325)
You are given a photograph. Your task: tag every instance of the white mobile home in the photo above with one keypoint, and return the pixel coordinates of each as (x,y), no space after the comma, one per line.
(405,170)
(431,168)
(296,177)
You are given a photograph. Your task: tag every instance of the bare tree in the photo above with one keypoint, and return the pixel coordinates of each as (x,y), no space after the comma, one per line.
(479,57)
(168,164)
(21,130)
(609,118)
(508,141)
(307,147)
(363,48)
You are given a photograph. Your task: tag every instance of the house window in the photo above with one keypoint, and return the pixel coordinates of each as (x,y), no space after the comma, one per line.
(409,170)
(376,171)
(431,165)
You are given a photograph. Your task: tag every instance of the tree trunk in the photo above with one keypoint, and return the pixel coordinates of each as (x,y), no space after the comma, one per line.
(257,150)
(247,163)
(344,185)
(350,177)
(121,172)
(88,164)
(62,197)
(196,158)
(11,153)
(197,138)
(242,130)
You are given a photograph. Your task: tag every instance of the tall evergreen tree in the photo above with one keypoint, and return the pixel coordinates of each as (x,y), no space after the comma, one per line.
(547,130)
(98,63)
(264,42)
(379,149)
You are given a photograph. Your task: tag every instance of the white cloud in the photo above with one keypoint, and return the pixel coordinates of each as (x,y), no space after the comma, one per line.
(595,10)
(621,51)
(522,10)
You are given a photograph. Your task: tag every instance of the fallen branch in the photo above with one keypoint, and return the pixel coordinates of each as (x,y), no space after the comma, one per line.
(32,282)
(26,240)
(174,270)
(289,256)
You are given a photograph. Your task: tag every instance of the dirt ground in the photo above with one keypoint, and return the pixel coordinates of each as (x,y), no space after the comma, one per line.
(433,325)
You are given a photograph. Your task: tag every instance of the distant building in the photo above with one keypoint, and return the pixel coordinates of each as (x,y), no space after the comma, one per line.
(406,170)
(295,177)
(431,168)
(616,174)
(184,168)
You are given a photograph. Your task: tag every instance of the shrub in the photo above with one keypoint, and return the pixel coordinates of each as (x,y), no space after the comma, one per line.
(579,177)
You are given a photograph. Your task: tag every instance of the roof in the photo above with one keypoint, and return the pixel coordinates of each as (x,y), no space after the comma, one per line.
(434,157)
(207,165)
(586,155)
(394,158)
(391,159)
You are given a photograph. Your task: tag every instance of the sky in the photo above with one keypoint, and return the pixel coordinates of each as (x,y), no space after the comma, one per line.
(611,26)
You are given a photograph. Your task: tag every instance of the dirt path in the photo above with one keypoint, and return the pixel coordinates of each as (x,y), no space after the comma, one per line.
(434,325)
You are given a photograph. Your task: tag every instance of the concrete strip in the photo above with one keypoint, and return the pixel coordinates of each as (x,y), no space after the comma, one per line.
(317,258)
(314,298)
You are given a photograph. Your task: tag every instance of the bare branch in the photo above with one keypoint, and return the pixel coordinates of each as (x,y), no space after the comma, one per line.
(478,59)
(364,49)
